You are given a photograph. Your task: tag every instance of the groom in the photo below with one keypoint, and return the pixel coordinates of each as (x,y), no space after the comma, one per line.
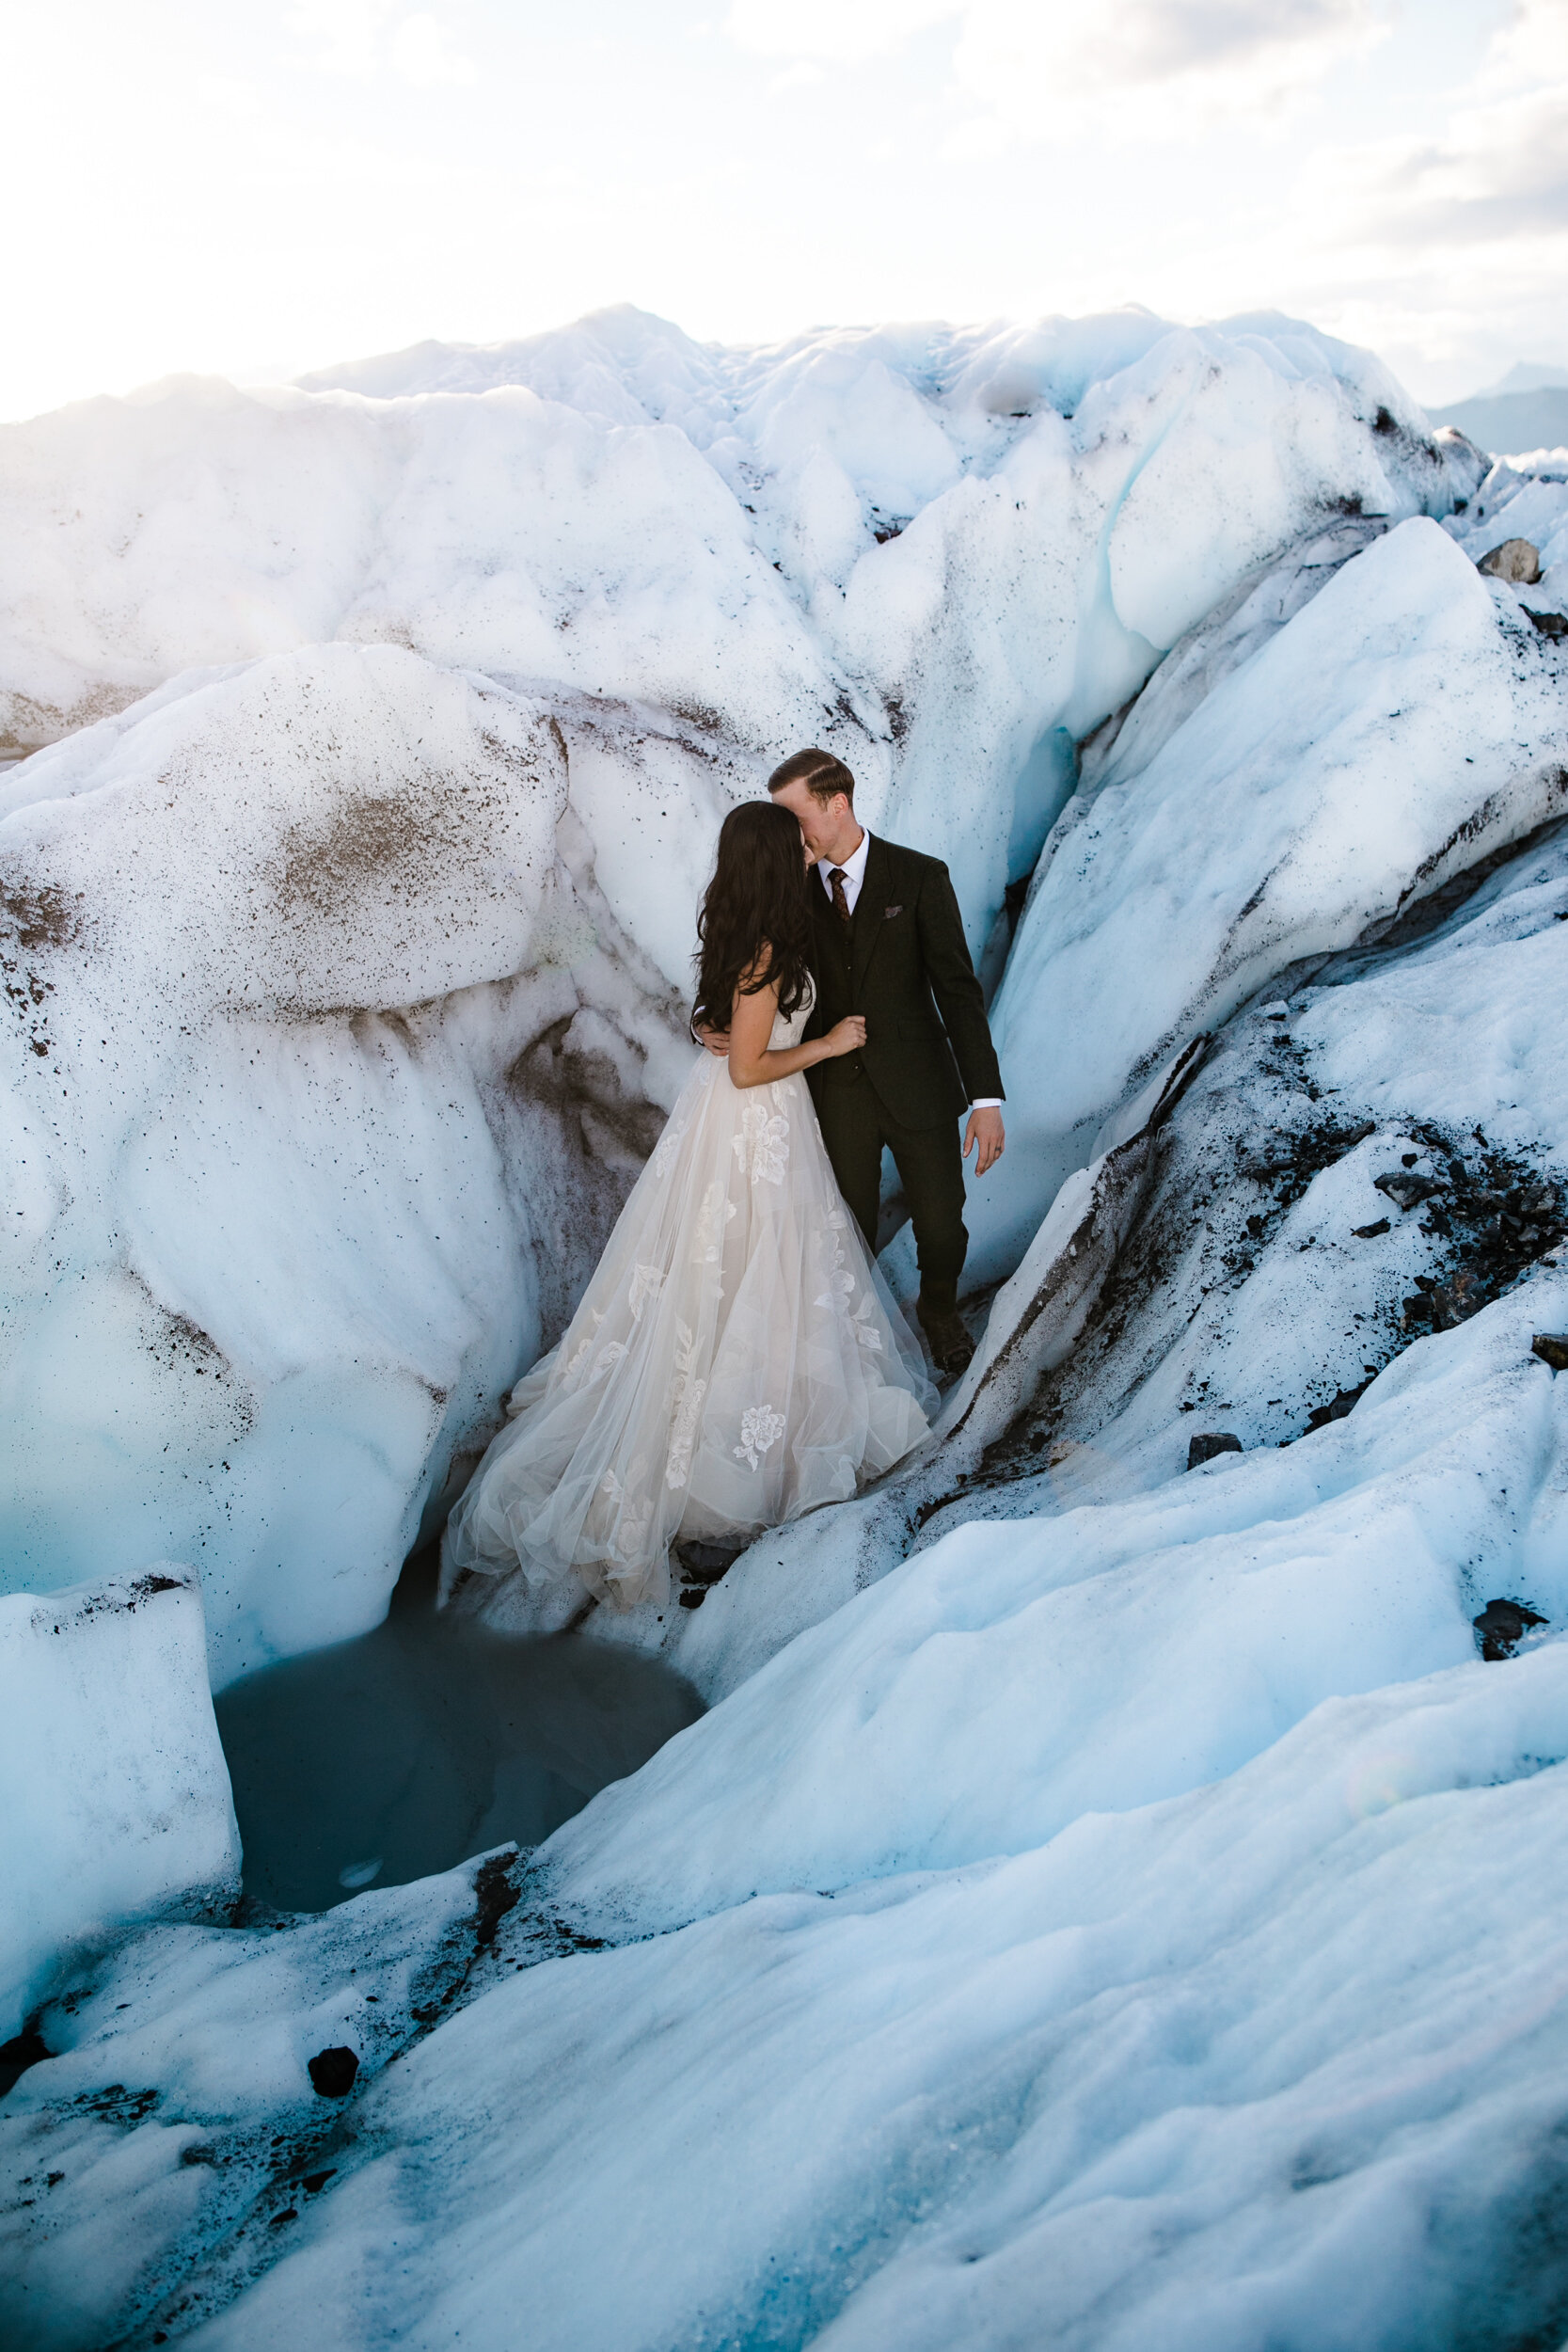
(889,944)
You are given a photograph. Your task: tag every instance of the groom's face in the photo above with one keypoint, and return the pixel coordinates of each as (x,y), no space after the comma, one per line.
(821,822)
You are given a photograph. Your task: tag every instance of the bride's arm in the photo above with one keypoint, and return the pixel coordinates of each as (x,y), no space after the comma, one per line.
(751,1061)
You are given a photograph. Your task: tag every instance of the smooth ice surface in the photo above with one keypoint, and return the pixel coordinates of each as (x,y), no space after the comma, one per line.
(114,1794)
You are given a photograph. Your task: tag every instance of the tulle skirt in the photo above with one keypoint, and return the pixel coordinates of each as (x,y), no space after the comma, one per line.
(737,1361)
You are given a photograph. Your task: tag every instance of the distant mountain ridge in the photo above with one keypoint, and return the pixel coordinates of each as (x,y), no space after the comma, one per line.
(1527,410)
(1526,375)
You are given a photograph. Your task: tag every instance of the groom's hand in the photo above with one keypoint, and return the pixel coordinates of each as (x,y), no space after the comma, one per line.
(984,1138)
(716,1040)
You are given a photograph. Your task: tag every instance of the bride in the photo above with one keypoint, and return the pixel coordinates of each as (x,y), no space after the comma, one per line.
(736,1359)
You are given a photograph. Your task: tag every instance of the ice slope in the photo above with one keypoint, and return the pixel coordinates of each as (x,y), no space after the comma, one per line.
(327,1067)
(114,1794)
(209,2034)
(1403,721)
(1232,2072)
(1135,1918)
(947,552)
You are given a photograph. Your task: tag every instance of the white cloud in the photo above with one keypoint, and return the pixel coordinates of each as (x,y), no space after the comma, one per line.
(344,35)
(1496,171)
(359,38)
(423,54)
(1152,69)
(840,32)
(1157,67)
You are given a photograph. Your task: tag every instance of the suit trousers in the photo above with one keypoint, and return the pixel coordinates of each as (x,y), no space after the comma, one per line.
(855,1128)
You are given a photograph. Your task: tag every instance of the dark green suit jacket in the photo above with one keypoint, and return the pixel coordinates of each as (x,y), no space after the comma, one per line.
(905,965)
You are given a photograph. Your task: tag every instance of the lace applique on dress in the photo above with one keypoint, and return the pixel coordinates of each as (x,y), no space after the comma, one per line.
(572,1372)
(632,1517)
(707,1232)
(686,1395)
(760,1428)
(646,1282)
(668,1145)
(863,1323)
(760,1146)
(841,1282)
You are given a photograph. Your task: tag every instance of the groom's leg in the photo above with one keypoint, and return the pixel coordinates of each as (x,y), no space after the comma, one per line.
(850,1120)
(930,1164)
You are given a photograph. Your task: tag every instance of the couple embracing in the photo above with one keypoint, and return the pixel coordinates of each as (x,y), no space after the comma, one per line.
(736,1359)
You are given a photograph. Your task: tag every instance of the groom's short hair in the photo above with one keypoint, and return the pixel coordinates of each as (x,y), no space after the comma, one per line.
(823,776)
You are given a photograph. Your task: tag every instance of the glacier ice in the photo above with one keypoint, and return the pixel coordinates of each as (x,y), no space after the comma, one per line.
(312,1136)
(330,1066)
(1107,1904)
(115,1802)
(1336,768)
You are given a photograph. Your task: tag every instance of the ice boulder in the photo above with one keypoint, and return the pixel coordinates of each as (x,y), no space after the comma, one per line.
(1400,726)
(114,1794)
(327,1066)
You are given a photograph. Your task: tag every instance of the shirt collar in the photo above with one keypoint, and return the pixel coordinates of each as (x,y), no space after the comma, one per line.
(853,868)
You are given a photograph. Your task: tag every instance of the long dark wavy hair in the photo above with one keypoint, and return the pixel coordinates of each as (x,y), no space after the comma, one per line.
(755,918)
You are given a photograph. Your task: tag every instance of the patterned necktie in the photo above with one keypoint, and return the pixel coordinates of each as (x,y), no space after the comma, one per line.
(841,904)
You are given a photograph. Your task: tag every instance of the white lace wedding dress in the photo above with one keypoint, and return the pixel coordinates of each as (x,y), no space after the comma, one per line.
(736,1361)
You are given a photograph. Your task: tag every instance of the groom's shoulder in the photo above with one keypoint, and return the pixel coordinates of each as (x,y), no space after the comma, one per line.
(914,862)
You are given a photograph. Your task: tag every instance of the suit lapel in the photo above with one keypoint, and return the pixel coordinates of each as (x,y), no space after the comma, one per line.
(870,907)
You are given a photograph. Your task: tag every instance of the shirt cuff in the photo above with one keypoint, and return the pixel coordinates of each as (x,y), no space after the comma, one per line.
(987,1103)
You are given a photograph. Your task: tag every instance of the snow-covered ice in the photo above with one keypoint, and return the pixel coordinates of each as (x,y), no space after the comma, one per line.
(946,553)
(114,1794)
(328,1064)
(1227,2072)
(1401,724)
(1109,1904)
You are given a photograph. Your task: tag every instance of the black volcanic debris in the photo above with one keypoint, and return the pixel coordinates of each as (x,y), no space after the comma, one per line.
(1498,1215)
(1203,1447)
(332,2071)
(22,2051)
(1338,1405)
(702,1566)
(1405,1190)
(1501,1626)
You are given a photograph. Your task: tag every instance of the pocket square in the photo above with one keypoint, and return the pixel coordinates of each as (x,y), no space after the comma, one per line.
(889,911)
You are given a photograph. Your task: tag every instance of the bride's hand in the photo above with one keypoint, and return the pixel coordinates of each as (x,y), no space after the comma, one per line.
(847,1036)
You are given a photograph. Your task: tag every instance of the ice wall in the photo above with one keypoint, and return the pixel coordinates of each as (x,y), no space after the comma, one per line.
(114,1794)
(1291,788)
(931,548)
(345,949)
(328,1065)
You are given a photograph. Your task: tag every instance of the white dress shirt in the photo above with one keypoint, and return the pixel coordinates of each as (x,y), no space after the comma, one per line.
(853,871)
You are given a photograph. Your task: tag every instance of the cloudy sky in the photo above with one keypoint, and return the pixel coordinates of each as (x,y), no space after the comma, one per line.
(258,189)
